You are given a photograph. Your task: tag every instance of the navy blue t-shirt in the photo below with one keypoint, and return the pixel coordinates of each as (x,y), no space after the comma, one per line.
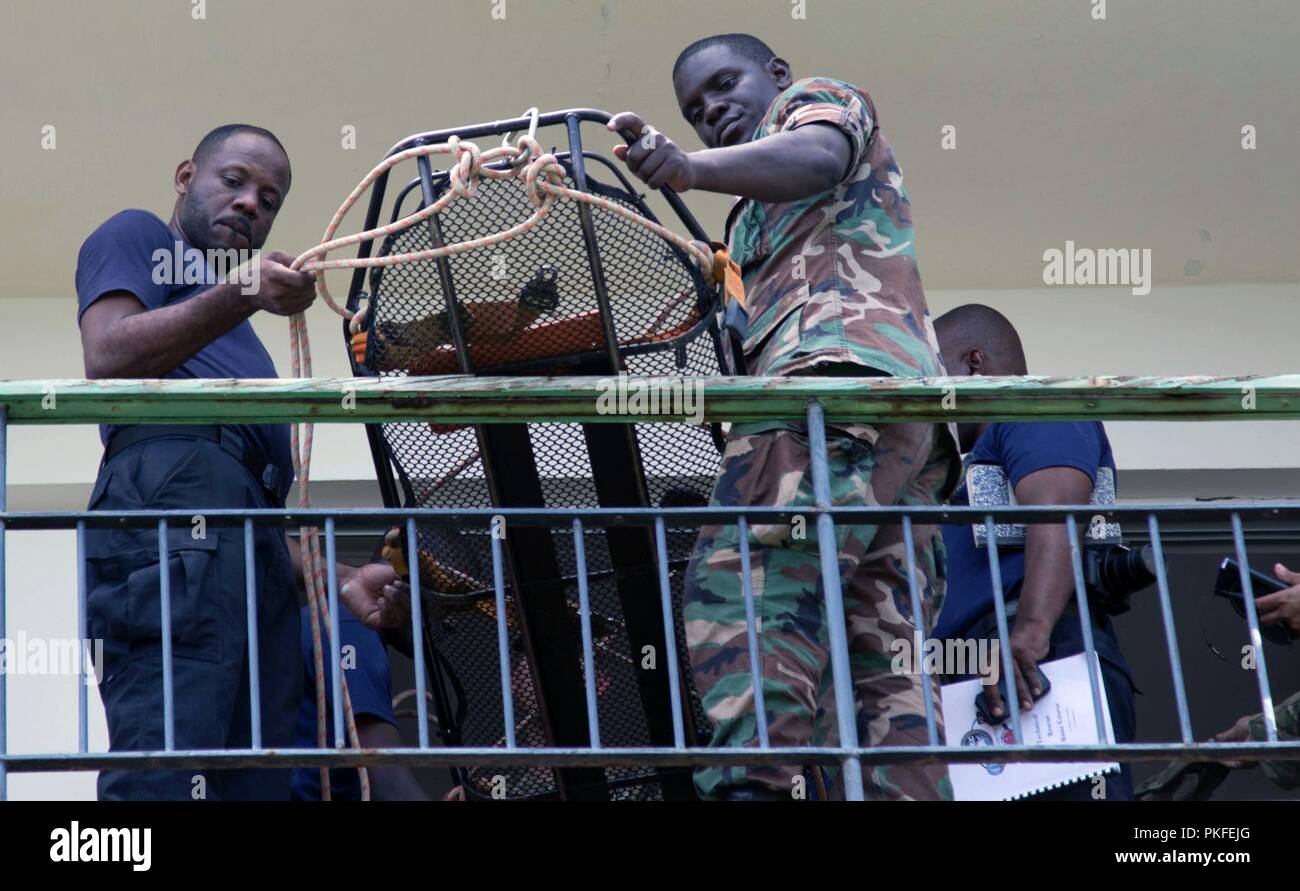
(122,255)
(1020,448)
(370,687)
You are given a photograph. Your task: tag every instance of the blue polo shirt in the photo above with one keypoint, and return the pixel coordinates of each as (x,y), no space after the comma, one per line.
(370,688)
(123,254)
(1020,448)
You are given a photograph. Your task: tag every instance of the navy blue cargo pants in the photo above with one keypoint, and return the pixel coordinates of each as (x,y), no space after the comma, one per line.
(208,616)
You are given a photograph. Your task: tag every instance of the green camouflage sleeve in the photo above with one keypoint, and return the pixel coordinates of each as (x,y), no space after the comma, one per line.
(1283,773)
(823,100)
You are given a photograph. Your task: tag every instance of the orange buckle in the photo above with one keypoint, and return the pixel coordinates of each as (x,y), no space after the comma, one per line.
(726,272)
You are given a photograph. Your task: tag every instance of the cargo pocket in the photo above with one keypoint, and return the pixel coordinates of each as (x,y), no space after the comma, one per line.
(196,600)
(106,602)
(774,469)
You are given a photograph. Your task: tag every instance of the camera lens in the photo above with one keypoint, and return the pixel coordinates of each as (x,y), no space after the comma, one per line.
(1126,570)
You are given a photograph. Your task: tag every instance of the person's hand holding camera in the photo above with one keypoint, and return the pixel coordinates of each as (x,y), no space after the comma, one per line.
(1282,607)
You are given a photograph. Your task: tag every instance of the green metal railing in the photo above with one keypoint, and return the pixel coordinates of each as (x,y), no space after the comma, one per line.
(479,400)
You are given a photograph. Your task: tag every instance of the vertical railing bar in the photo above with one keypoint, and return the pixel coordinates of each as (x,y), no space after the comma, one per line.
(845,705)
(165,594)
(918,636)
(336,648)
(587,221)
(584,620)
(4,675)
(670,635)
(1171,636)
(751,633)
(1252,622)
(254,647)
(1012,700)
(417,633)
(1085,623)
(84,644)
(503,644)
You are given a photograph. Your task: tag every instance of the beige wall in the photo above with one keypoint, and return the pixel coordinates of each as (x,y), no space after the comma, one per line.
(1116,133)
(41,577)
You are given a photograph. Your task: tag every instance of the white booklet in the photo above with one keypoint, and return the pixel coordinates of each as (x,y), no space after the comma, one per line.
(1064,716)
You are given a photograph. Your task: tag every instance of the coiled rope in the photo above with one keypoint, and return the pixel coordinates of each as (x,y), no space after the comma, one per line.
(542,176)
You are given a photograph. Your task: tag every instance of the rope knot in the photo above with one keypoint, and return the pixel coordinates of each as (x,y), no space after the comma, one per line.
(464,174)
(527,148)
(542,168)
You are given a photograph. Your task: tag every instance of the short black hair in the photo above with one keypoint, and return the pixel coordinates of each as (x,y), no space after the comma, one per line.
(976,325)
(215,139)
(746,45)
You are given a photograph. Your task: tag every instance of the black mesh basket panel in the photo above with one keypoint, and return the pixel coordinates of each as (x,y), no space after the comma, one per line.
(529,306)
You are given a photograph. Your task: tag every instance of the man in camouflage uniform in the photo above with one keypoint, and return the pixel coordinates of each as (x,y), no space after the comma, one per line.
(823,235)
(1250,728)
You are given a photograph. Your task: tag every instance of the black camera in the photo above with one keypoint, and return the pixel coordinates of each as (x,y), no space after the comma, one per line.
(1228,586)
(1113,574)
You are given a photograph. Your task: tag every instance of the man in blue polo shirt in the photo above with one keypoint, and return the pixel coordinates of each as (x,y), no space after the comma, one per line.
(370,688)
(1051,462)
(150,306)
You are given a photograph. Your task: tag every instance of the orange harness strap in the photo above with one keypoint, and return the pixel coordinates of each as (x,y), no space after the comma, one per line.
(726,272)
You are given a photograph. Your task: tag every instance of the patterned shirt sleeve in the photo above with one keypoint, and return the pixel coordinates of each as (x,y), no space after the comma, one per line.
(827,101)
(1285,774)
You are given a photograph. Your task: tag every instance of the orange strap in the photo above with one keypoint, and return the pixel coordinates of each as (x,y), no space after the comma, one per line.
(393,552)
(727,273)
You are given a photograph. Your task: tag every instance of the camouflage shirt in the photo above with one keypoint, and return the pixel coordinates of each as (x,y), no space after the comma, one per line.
(832,277)
(1287,716)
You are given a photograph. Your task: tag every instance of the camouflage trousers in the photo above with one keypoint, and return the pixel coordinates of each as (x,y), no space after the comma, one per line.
(892,464)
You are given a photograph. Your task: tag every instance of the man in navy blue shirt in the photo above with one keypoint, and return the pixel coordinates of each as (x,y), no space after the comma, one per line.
(148,308)
(365,665)
(1051,462)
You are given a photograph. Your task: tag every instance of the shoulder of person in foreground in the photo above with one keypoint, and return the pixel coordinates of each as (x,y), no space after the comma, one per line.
(824,100)
(120,255)
(1023,447)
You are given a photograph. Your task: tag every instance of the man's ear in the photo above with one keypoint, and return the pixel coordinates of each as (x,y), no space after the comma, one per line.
(184,175)
(779,70)
(977,361)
